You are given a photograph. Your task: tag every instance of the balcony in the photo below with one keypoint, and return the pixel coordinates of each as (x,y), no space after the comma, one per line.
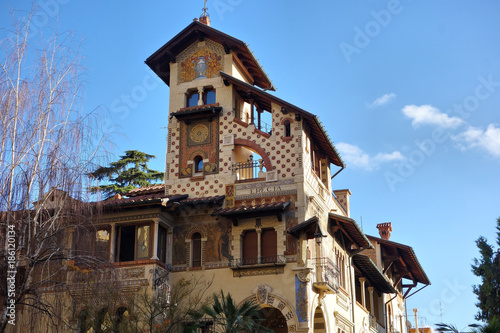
(273,260)
(327,275)
(249,170)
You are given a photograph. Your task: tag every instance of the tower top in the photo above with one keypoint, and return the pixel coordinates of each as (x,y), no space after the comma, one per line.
(205,17)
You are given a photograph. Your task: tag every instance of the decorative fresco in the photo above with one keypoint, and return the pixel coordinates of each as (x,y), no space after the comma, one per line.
(217,245)
(200,137)
(179,246)
(202,64)
(291,241)
(301,299)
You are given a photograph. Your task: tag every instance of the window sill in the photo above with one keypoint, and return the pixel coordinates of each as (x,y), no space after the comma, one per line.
(241,122)
(264,134)
(198,107)
(273,264)
(141,262)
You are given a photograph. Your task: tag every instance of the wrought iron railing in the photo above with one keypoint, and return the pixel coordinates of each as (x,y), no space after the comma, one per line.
(264,127)
(327,272)
(278,259)
(248,170)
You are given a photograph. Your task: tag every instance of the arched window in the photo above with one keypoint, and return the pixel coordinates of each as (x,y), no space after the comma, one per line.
(198,164)
(84,325)
(192,98)
(287,128)
(104,322)
(121,319)
(196,250)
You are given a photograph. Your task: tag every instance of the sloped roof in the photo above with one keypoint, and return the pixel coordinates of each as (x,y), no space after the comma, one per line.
(352,229)
(408,255)
(156,188)
(261,208)
(373,274)
(310,227)
(264,99)
(151,198)
(203,200)
(159,61)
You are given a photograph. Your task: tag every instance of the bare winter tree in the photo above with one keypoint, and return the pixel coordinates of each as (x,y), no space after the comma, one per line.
(47,147)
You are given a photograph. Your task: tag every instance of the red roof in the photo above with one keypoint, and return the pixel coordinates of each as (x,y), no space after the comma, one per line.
(157,188)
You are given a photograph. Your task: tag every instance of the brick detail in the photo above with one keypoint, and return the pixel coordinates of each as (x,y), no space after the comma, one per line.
(258,149)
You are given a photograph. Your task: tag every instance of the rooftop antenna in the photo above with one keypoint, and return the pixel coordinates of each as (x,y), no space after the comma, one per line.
(205,17)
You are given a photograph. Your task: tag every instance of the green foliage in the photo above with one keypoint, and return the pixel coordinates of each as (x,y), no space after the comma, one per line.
(441,327)
(487,267)
(493,326)
(228,317)
(129,172)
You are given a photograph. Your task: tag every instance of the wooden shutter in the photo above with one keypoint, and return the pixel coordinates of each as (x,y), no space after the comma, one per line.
(269,245)
(250,251)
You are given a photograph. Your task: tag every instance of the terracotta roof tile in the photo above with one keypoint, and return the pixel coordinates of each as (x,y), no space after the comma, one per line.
(146,190)
(135,199)
(202,200)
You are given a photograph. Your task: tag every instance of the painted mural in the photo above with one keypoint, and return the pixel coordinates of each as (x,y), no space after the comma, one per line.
(199,137)
(202,64)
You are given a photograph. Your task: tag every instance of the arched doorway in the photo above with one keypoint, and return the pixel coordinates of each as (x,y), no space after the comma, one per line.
(319,321)
(274,319)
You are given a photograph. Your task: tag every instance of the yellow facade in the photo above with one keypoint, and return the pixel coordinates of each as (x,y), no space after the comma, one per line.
(247,205)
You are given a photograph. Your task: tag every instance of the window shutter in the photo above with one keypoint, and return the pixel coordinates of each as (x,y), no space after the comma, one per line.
(269,246)
(250,252)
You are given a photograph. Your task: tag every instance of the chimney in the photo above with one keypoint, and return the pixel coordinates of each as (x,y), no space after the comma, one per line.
(343,199)
(384,229)
(205,18)
(415,311)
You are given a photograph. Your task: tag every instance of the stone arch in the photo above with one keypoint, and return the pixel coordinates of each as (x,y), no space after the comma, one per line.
(268,299)
(191,231)
(318,302)
(290,120)
(258,149)
(200,152)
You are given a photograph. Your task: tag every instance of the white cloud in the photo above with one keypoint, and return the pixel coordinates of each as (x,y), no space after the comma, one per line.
(488,140)
(382,100)
(429,115)
(353,155)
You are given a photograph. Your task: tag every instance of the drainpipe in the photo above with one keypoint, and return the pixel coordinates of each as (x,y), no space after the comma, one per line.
(336,173)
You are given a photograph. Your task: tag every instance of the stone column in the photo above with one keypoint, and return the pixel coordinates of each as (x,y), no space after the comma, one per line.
(370,291)
(259,240)
(362,280)
(112,239)
(154,242)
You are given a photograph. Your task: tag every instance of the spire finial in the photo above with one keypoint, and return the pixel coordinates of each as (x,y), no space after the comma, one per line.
(205,17)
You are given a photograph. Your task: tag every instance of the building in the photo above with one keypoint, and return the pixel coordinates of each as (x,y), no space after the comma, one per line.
(248,202)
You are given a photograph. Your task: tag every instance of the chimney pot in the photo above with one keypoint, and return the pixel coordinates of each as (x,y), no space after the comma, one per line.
(384,229)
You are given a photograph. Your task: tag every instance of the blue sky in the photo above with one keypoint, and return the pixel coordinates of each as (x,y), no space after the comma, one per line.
(409,91)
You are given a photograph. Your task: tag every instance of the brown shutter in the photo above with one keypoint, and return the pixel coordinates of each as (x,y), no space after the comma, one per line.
(269,245)
(250,252)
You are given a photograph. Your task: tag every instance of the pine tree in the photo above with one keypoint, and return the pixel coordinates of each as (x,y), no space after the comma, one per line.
(488,268)
(129,172)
